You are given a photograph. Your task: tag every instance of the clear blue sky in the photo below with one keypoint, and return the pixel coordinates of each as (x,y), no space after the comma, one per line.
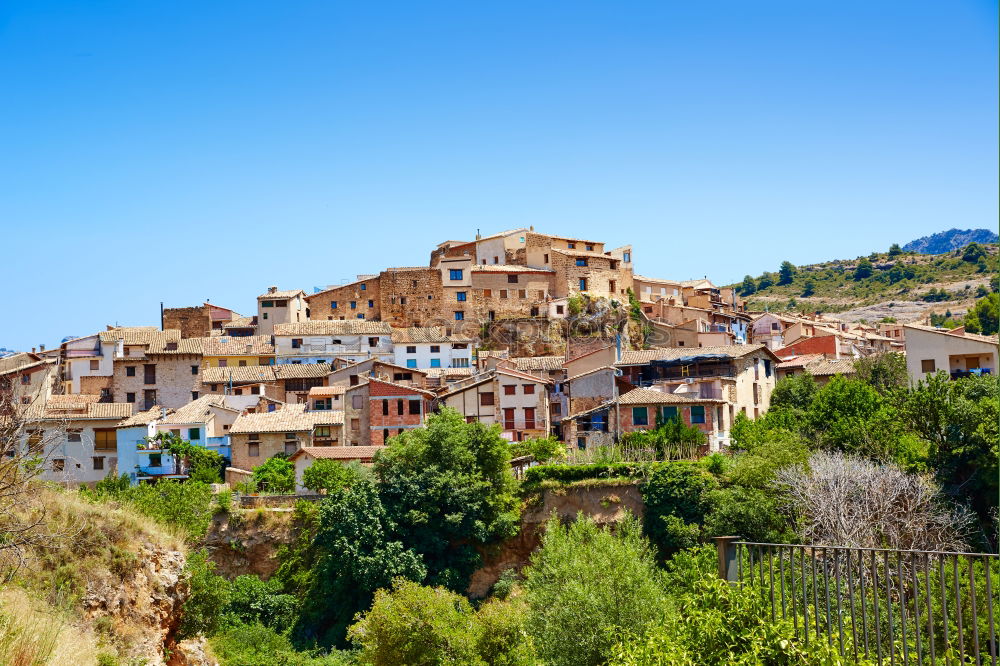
(178,151)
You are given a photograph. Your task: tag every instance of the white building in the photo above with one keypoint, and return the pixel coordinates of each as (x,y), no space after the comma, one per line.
(958,353)
(431,347)
(280,307)
(323,341)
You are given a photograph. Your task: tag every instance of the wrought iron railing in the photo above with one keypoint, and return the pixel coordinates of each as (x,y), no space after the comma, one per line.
(889,606)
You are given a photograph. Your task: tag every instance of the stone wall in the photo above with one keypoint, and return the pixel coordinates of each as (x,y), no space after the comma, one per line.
(193,322)
(175,379)
(493,292)
(320,304)
(412,297)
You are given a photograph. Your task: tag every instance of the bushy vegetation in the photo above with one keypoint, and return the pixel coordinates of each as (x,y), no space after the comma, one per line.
(185,506)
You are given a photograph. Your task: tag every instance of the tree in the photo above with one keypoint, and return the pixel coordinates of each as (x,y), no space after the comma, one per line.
(794,391)
(327,475)
(884,372)
(252,600)
(201,464)
(671,439)
(418,626)
(852,501)
(356,554)
(766,281)
(984,317)
(543,449)
(447,487)
(675,496)
(863,270)
(973,253)
(208,594)
(748,287)
(849,415)
(808,289)
(786,273)
(277,475)
(585,585)
(895,250)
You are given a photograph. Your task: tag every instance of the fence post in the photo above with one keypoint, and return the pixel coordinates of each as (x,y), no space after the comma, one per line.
(727,557)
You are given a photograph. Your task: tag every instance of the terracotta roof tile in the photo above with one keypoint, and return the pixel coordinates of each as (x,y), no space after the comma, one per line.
(644,396)
(247,345)
(140,335)
(184,346)
(243,374)
(338,452)
(288,293)
(146,417)
(197,410)
(508,268)
(526,363)
(301,370)
(334,327)
(643,356)
(290,418)
(417,335)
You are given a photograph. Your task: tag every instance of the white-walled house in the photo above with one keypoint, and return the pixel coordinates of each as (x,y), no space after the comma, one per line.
(351,340)
(958,353)
(431,347)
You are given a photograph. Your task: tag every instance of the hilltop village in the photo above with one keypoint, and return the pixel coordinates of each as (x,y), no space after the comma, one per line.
(544,335)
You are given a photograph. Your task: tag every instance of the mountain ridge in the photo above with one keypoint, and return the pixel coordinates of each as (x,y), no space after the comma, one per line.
(946,241)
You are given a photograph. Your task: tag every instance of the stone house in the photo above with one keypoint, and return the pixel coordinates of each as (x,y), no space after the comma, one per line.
(412,296)
(518,401)
(26,379)
(506,292)
(166,372)
(430,347)
(352,374)
(256,437)
(199,321)
(375,410)
(307,455)
(360,299)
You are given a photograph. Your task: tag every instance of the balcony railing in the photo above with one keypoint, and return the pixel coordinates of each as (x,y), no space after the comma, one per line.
(523,424)
(959,374)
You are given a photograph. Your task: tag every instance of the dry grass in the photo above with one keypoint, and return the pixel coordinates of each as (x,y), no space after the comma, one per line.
(33,634)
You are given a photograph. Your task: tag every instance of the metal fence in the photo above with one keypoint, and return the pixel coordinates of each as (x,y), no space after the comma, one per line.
(888,606)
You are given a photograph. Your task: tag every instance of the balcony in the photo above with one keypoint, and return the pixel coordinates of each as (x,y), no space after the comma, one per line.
(960,374)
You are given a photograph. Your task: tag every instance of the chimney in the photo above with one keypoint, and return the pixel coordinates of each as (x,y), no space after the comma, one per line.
(41,347)
(271,290)
(163,412)
(32,350)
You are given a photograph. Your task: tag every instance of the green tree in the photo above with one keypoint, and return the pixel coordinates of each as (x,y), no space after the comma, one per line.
(973,253)
(808,289)
(896,274)
(748,287)
(418,626)
(671,439)
(277,475)
(794,391)
(447,487)
(585,586)
(786,273)
(328,475)
(984,317)
(766,281)
(851,416)
(252,600)
(884,372)
(895,250)
(355,555)
(543,449)
(208,594)
(675,496)
(863,270)
(752,513)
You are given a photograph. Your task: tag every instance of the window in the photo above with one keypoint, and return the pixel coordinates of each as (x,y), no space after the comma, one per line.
(486,399)
(264,315)
(254,436)
(194,433)
(399,407)
(459,296)
(130,397)
(361,316)
(254,390)
(363,286)
(508,418)
(581,442)
(402,300)
(545,258)
(590,248)
(149,374)
(243,364)
(58,464)
(698,414)
(415,407)
(25,379)
(321,404)
(105,439)
(435,349)
(291,446)
(460,345)
(529,389)
(371,304)
(322,431)
(353,381)
(459,315)
(34,437)
(402,376)
(560,309)
(571,246)
(512,278)
(223,363)
(435,363)
(281,304)
(522,293)
(533,312)
(130,371)
(155,460)
(640,416)
(354,305)
(556,408)
(581,261)
(529,418)
(503,293)
(583,284)
(333,305)
(487,293)
(460,362)
(767,367)
(267,304)
(296,343)
(357,401)
(385,407)
(98,463)
(373,342)
(668,413)
(95,365)
(510,389)
(455,274)
(775,326)
(927,365)
(627,257)
(74,435)
(253,449)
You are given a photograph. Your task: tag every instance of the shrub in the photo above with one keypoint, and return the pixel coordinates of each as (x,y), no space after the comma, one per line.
(277,475)
(676,489)
(257,645)
(586,585)
(329,475)
(570,473)
(207,597)
(416,625)
(254,601)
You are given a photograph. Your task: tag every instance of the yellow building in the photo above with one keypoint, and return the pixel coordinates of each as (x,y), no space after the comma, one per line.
(223,351)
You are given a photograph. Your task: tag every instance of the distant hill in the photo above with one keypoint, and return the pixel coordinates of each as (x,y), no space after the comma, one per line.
(946,241)
(905,285)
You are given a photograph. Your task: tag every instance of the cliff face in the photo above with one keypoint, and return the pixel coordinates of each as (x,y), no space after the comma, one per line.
(248,542)
(606,505)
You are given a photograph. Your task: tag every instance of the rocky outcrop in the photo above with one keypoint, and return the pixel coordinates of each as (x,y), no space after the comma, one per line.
(191,652)
(247,542)
(605,505)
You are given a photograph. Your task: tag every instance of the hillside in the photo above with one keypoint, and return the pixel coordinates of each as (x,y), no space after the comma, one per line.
(907,286)
(947,241)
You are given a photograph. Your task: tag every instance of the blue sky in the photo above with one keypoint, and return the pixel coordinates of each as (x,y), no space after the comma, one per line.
(177,151)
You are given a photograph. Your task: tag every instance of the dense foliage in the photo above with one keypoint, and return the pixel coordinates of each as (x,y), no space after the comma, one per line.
(326,475)
(185,506)
(276,476)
